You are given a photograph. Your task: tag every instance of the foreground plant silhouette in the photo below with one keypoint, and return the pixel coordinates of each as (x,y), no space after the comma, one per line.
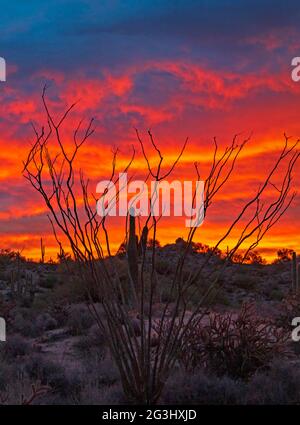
(234,345)
(145,349)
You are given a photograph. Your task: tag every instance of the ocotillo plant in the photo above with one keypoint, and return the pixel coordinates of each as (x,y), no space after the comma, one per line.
(295,273)
(144,366)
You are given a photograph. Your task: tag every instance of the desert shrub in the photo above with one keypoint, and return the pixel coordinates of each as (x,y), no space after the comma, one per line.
(290,308)
(16,346)
(121,266)
(45,322)
(236,346)
(84,345)
(92,344)
(283,255)
(107,372)
(40,368)
(60,312)
(201,388)
(28,329)
(67,384)
(152,242)
(6,308)
(245,280)
(6,373)
(93,395)
(8,257)
(276,294)
(28,325)
(280,384)
(167,292)
(220,298)
(24,326)
(79,320)
(252,257)
(200,248)
(277,385)
(217,295)
(71,288)
(163,266)
(101,371)
(48,282)
(62,381)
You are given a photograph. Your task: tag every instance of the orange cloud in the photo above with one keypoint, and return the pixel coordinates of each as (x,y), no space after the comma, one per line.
(201,103)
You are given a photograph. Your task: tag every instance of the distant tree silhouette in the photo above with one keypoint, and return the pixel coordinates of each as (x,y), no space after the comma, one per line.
(252,257)
(156,243)
(284,255)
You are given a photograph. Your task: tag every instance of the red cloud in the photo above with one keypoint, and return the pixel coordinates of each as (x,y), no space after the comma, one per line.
(201,103)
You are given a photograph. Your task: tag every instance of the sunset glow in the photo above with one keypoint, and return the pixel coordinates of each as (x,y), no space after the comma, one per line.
(207,80)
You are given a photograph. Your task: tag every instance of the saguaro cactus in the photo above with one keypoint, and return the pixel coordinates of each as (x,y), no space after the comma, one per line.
(132,254)
(43,250)
(23,289)
(295,273)
(143,240)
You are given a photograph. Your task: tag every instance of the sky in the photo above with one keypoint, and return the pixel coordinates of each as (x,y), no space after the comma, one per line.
(197,69)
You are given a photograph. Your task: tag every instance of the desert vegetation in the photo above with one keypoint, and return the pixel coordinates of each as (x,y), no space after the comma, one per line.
(241,351)
(97,327)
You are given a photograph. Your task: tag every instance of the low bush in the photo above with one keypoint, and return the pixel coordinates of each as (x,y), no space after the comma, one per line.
(245,281)
(80,320)
(16,346)
(92,344)
(65,383)
(200,388)
(290,308)
(279,384)
(45,322)
(233,345)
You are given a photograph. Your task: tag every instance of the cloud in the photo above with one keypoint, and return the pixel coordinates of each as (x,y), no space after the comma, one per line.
(184,68)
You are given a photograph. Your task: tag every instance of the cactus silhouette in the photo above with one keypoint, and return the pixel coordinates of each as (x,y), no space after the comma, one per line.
(295,273)
(43,251)
(143,240)
(132,255)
